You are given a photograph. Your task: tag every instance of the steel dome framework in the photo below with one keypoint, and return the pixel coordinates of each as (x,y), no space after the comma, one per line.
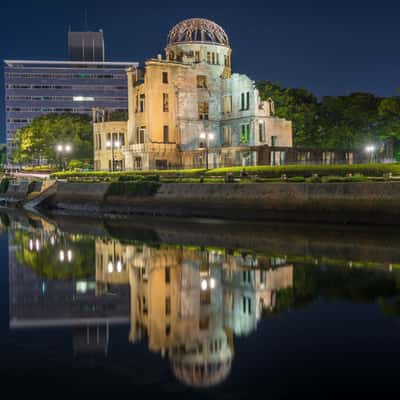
(197,30)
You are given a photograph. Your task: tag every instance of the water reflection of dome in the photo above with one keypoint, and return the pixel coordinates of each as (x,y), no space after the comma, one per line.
(203,363)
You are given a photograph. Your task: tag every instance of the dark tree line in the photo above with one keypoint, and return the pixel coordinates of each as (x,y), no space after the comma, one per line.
(344,122)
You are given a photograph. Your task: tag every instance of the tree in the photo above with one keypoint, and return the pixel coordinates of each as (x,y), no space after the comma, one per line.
(3,154)
(346,122)
(297,105)
(38,140)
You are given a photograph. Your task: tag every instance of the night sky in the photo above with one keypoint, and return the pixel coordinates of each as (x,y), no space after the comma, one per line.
(330,48)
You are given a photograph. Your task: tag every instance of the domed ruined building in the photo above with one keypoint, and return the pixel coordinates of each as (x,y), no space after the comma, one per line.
(188,109)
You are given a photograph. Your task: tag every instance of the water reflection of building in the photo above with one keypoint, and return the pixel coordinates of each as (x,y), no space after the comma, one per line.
(190,303)
(40,301)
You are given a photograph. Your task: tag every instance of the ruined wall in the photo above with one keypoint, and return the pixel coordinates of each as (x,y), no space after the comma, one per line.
(103,154)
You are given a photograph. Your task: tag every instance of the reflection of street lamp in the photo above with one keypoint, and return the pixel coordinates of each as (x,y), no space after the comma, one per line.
(208,138)
(370,150)
(62,254)
(111,144)
(114,262)
(34,244)
(63,149)
(207,283)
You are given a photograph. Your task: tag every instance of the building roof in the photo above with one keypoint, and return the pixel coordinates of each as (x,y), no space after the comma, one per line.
(49,63)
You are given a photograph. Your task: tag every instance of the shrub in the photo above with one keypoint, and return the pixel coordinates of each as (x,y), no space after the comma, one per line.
(130,178)
(295,179)
(136,177)
(78,164)
(267,171)
(314,179)
(262,172)
(135,188)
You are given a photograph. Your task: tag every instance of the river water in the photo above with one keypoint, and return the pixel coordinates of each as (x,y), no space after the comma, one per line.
(200,308)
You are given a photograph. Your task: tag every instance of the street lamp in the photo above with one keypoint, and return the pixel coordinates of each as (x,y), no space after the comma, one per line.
(370,149)
(63,149)
(111,144)
(208,137)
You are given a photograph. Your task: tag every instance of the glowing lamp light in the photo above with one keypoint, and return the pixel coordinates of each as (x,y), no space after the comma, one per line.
(62,255)
(110,267)
(202,135)
(30,244)
(211,136)
(370,148)
(212,283)
(69,255)
(119,266)
(204,284)
(82,98)
(68,148)
(37,243)
(59,147)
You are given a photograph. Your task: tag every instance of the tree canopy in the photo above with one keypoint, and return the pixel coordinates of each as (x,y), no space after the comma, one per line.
(3,154)
(39,139)
(345,122)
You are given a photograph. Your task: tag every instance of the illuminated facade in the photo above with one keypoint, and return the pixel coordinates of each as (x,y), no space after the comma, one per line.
(189,105)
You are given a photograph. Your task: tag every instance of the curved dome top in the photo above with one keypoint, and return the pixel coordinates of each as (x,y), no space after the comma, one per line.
(197,30)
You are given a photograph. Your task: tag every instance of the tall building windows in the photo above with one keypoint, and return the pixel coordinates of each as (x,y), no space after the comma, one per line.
(122,139)
(274,140)
(201,81)
(246,301)
(98,141)
(245,134)
(165,77)
(246,276)
(168,305)
(203,110)
(166,134)
(217,58)
(141,104)
(208,57)
(261,131)
(244,101)
(197,56)
(140,133)
(227,131)
(227,105)
(213,58)
(165,102)
(167,274)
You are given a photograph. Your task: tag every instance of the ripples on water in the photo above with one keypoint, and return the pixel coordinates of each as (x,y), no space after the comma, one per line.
(214,308)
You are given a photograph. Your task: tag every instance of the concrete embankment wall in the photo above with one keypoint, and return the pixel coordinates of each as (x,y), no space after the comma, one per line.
(370,202)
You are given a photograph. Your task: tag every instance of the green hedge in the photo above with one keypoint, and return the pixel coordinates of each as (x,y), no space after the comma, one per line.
(263,171)
(129,174)
(267,171)
(136,188)
(130,178)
